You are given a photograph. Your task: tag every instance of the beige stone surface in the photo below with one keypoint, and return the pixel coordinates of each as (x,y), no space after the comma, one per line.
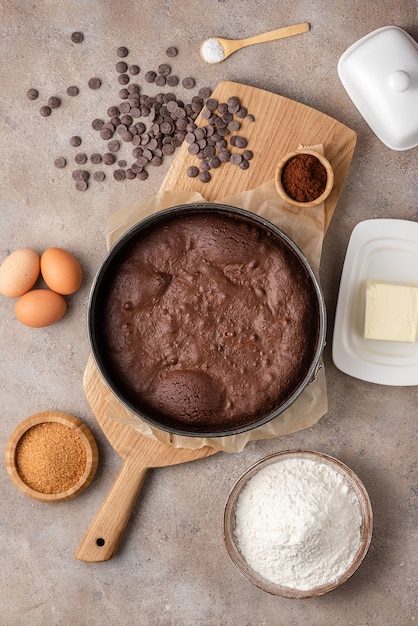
(172,568)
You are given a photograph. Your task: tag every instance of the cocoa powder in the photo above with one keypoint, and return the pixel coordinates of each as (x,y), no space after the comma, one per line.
(304,178)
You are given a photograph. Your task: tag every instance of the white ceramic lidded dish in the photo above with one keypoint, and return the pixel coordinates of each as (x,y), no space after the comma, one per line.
(380,74)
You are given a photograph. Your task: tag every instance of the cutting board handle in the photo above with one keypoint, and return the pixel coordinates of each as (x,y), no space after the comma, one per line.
(105,532)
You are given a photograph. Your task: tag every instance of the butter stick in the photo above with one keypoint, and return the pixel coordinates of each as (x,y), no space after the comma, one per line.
(391,311)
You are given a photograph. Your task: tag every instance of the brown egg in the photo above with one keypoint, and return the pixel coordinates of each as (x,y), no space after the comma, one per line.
(61,271)
(40,307)
(19,272)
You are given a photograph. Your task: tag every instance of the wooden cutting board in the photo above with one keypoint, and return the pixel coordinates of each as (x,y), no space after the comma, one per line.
(280,126)
(139,453)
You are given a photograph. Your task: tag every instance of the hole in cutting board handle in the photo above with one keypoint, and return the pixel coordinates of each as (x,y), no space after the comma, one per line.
(100,542)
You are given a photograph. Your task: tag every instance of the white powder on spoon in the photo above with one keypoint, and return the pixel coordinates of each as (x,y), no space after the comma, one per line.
(298,523)
(212,51)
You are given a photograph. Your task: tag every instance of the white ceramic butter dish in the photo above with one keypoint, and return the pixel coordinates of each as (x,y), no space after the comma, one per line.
(380,74)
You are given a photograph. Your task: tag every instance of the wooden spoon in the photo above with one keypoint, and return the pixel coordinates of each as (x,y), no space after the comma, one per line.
(216,49)
(139,453)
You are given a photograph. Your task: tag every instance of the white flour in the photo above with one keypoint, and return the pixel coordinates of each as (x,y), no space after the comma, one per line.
(298,523)
(212,51)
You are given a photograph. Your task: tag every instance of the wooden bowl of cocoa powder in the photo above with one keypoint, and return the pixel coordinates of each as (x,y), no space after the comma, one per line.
(304,178)
(51,456)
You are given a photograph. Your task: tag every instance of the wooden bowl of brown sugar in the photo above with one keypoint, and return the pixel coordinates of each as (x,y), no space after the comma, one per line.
(51,456)
(304,178)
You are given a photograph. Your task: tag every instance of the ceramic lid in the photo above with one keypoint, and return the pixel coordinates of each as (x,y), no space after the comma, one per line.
(380,74)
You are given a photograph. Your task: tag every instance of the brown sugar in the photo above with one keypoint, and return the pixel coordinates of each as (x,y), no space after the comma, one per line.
(304,178)
(50,458)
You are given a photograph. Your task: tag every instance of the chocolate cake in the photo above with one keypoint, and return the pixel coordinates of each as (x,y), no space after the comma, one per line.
(208,321)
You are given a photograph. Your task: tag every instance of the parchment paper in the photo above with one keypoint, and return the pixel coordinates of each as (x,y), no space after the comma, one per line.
(306,228)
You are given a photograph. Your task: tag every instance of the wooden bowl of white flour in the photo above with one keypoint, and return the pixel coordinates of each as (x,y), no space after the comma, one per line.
(298,523)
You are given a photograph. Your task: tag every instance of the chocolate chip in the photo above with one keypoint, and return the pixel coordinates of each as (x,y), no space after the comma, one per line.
(121,67)
(45,111)
(223,132)
(244,165)
(137,152)
(97,124)
(113,146)
(192,171)
(124,107)
(122,52)
(247,155)
(200,133)
(130,174)
(142,175)
(136,168)
(123,79)
(211,104)
(32,94)
(194,148)
(133,88)
(164,69)
(150,76)
(123,94)
(167,128)
(214,162)
(236,159)
(233,108)
(250,117)
(234,125)
(54,102)
(80,158)
(99,176)
(171,51)
(77,37)
(81,185)
(209,151)
(134,70)
(119,174)
(95,83)
(122,163)
(242,112)
(113,111)
(156,161)
(204,165)
(224,155)
(80,175)
(172,80)
(75,141)
(108,158)
(240,142)
(160,80)
(96,158)
(60,162)
(72,90)
(188,83)
(106,133)
(168,149)
(205,92)
(126,120)
(142,161)
(233,101)
(204,177)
